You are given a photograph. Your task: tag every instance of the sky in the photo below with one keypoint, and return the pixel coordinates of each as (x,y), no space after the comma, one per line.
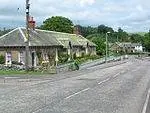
(130,15)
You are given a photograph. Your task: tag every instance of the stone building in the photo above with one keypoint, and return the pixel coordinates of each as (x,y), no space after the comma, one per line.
(126,47)
(44,46)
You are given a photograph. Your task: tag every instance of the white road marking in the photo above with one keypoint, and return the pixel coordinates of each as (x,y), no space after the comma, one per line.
(111,78)
(11,77)
(104,81)
(77,93)
(123,71)
(37,111)
(116,75)
(146,102)
(135,70)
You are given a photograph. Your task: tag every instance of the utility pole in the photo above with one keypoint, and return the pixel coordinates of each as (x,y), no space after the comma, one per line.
(27,36)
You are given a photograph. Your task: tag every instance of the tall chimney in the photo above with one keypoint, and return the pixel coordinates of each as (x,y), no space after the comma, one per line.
(31,23)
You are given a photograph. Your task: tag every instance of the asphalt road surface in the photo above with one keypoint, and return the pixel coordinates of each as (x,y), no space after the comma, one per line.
(110,88)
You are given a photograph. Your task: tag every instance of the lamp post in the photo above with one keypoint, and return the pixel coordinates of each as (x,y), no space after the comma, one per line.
(106,52)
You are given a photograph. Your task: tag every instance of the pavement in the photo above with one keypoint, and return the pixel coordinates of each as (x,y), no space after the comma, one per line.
(117,87)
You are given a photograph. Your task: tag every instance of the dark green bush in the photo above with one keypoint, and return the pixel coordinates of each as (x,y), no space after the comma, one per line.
(2,59)
(63,58)
(16,63)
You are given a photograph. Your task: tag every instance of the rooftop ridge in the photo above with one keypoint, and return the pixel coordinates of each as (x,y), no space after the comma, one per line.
(9,33)
(24,37)
(55,32)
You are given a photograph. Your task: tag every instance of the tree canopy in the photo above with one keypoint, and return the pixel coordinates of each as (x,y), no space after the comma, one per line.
(102,29)
(146,41)
(99,41)
(58,23)
(4,31)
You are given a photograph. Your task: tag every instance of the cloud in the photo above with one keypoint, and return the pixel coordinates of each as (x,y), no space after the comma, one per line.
(132,15)
(87,2)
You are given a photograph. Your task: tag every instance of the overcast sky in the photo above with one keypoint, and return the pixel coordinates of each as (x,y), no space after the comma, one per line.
(131,15)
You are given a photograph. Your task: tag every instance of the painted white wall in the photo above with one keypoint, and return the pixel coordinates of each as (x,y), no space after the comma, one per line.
(78,53)
(139,48)
(86,50)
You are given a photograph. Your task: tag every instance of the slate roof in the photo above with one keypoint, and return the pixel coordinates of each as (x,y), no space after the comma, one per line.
(127,44)
(13,38)
(17,37)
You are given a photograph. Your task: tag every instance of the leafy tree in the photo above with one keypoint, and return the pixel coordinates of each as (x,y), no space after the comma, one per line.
(102,29)
(58,23)
(85,31)
(136,38)
(4,31)
(122,35)
(146,41)
(100,48)
(99,41)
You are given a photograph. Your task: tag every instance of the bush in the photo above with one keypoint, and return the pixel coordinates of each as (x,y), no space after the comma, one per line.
(16,63)
(74,66)
(2,59)
(63,58)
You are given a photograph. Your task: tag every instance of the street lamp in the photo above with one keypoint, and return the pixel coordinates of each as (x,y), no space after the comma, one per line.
(106,52)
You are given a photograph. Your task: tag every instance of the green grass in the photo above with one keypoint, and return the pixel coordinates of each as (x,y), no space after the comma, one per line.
(8,72)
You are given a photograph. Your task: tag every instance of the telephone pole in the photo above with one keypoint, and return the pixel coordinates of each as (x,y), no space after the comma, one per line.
(27,36)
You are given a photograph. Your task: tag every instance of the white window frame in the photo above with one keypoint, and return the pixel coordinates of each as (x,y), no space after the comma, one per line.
(8,57)
(21,57)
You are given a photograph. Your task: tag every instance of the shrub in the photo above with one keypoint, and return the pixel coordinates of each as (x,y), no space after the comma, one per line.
(16,63)
(63,58)
(2,59)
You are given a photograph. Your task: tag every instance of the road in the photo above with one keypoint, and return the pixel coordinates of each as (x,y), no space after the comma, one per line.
(109,88)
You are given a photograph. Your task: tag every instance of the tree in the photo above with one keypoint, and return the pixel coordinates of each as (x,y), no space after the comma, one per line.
(102,29)
(136,38)
(146,41)
(59,24)
(122,35)
(4,31)
(85,31)
(99,40)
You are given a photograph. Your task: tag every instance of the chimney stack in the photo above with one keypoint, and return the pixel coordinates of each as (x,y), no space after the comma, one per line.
(31,23)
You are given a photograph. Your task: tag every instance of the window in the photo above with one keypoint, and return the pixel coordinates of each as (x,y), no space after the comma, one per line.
(21,57)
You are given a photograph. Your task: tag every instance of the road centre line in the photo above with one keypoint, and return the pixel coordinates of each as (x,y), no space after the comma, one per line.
(110,78)
(116,75)
(77,93)
(146,102)
(104,81)
(37,111)
(98,83)
(89,88)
